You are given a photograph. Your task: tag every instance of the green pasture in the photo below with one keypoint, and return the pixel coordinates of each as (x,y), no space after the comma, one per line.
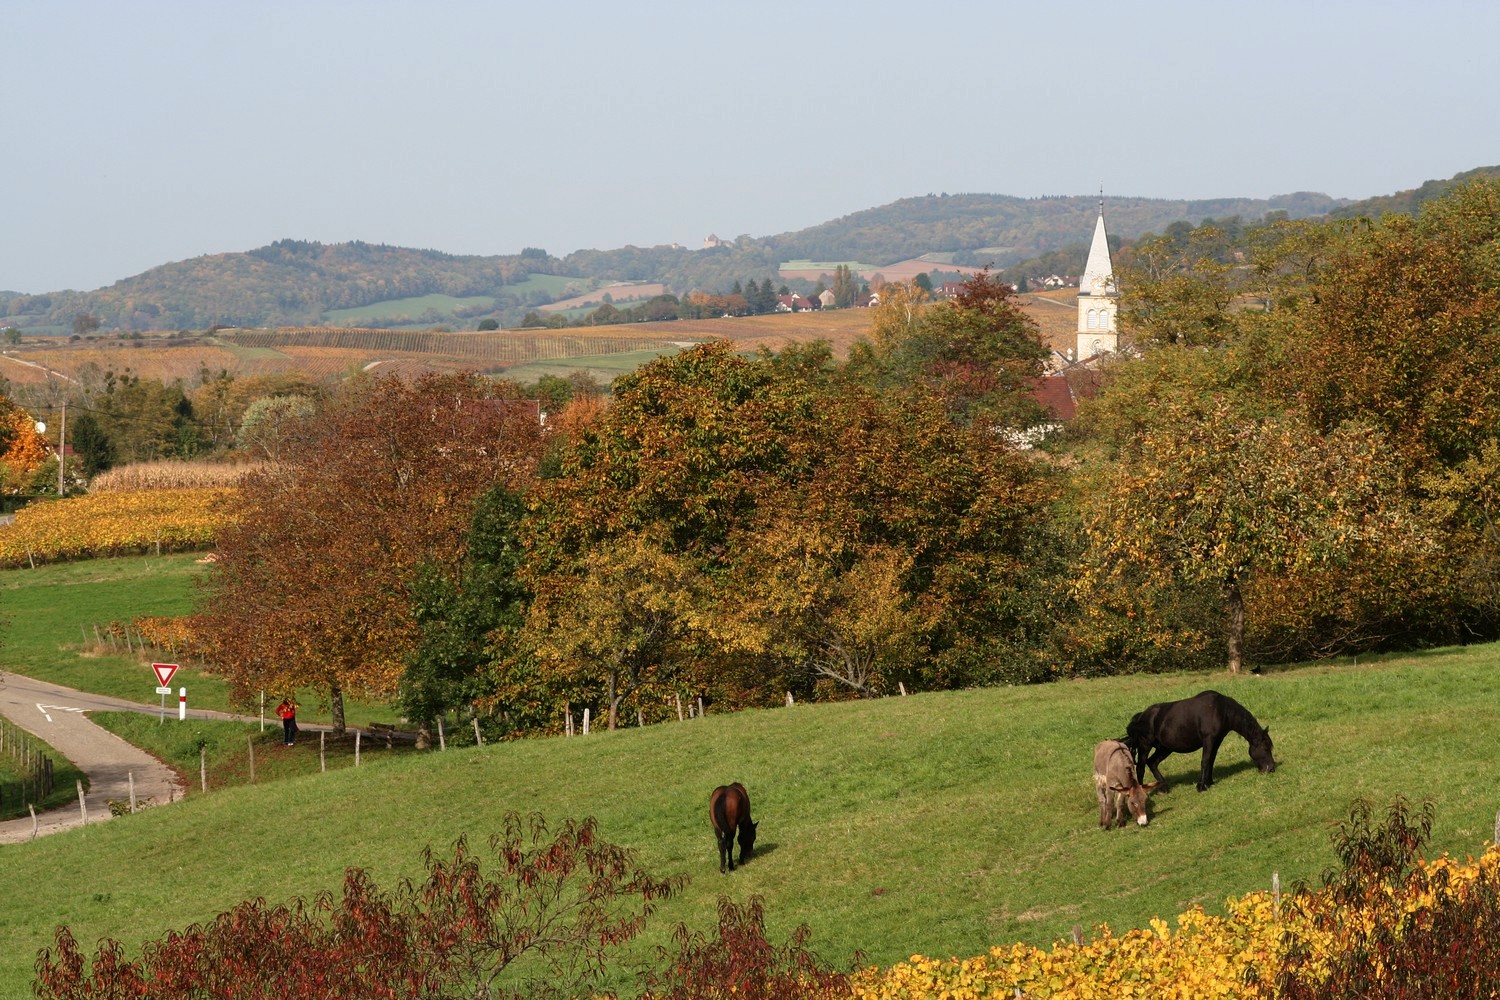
(411,308)
(47,631)
(939,823)
(245,353)
(553,284)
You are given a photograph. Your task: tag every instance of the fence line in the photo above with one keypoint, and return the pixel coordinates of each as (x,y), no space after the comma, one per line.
(35,768)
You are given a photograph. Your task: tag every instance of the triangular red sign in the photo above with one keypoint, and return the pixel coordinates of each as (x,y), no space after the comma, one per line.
(164,672)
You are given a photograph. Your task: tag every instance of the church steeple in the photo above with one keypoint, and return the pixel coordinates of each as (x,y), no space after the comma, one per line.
(1096,297)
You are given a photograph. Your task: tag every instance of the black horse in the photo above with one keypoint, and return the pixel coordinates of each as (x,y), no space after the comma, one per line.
(1197,723)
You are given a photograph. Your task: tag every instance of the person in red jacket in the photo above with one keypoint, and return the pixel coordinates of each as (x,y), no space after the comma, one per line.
(287,710)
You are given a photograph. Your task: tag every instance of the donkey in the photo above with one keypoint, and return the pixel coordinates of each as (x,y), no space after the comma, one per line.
(729,812)
(1117,786)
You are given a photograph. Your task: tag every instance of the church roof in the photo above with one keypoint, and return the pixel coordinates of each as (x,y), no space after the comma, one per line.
(1098,275)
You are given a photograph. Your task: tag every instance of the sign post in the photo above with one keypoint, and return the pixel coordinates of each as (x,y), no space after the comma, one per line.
(164,672)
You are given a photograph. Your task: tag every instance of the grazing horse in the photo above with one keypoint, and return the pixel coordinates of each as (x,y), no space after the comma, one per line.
(1197,723)
(729,811)
(1118,786)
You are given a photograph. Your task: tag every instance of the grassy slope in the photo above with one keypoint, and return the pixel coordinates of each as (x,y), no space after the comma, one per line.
(940,823)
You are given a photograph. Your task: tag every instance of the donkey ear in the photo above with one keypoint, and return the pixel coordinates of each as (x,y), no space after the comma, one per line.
(1153,786)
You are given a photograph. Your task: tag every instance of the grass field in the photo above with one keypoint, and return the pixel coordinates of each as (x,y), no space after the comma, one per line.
(48,614)
(940,823)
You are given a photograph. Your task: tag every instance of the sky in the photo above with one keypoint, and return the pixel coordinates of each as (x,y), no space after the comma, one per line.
(135,134)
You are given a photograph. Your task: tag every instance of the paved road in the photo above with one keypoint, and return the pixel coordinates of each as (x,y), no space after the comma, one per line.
(56,714)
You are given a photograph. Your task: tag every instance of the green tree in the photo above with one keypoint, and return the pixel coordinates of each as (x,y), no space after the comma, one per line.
(465,620)
(845,289)
(91,444)
(488,324)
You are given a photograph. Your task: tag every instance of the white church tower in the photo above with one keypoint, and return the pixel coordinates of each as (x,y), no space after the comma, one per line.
(1097,302)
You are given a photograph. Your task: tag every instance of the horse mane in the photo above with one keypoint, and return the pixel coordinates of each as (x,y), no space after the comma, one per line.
(1239,719)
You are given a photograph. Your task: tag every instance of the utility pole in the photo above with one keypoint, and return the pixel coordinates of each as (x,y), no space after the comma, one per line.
(62,451)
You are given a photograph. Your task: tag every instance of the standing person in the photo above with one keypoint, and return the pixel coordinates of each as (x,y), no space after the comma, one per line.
(288,712)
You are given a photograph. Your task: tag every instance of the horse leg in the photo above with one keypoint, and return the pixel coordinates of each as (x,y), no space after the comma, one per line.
(1157,756)
(726,849)
(1206,770)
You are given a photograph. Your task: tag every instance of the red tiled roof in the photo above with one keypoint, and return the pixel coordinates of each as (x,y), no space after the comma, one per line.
(1056,397)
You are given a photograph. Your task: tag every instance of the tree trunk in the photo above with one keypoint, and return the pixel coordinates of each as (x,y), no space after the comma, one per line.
(1234,624)
(336,707)
(424,735)
(614,704)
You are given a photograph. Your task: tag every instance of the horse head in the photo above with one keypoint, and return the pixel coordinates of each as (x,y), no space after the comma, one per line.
(747,839)
(1260,751)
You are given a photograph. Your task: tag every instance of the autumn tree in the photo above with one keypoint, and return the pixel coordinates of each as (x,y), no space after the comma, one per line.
(1177,289)
(754,523)
(1210,498)
(978,352)
(22,448)
(313,585)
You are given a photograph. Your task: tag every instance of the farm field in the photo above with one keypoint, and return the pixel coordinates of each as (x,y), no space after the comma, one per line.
(938,824)
(326,353)
(621,293)
(408,310)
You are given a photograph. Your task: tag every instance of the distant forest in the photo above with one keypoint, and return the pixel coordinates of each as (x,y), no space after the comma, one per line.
(297,283)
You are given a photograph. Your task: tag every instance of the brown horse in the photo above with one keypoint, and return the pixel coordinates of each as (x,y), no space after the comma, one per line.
(729,811)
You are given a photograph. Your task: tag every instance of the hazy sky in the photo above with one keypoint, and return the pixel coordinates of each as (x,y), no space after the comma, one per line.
(133,134)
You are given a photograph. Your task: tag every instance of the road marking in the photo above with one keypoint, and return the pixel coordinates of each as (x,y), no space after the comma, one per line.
(56,708)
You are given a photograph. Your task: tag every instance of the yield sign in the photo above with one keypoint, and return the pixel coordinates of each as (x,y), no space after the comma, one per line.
(164,672)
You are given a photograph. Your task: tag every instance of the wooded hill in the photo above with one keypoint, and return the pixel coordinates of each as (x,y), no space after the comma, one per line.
(292,282)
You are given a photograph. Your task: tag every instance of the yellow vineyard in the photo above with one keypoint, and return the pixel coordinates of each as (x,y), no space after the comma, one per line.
(116,523)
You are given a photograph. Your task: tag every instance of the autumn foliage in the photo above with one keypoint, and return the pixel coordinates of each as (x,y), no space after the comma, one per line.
(1385,924)
(118,523)
(539,920)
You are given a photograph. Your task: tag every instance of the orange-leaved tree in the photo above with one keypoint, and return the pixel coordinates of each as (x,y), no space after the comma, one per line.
(312,587)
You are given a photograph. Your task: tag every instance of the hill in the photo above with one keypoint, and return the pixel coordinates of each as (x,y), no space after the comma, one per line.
(301,283)
(938,823)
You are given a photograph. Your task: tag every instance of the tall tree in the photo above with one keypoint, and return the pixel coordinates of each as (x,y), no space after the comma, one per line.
(313,586)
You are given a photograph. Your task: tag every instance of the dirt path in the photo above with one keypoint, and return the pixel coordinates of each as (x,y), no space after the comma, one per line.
(56,714)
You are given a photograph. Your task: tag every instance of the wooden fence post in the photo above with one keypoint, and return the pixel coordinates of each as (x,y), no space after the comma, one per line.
(203,767)
(250,741)
(322,751)
(1276,895)
(679,706)
(585,722)
(478,736)
(131,776)
(443,740)
(357,735)
(83,809)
